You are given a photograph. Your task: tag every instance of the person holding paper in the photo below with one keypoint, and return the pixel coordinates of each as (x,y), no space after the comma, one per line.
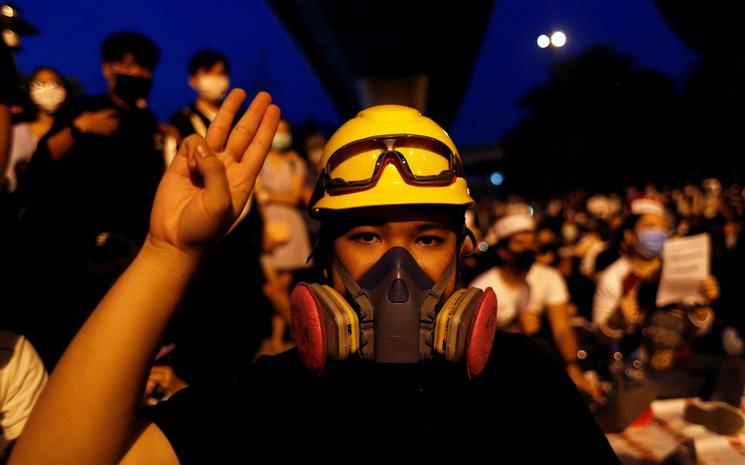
(625,309)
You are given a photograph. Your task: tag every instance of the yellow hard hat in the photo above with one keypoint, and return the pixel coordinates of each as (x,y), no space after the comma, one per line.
(389,155)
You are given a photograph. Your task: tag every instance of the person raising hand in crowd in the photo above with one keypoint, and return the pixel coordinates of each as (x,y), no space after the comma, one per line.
(390,344)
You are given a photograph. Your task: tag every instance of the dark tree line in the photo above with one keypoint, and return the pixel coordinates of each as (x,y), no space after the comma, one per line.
(603,123)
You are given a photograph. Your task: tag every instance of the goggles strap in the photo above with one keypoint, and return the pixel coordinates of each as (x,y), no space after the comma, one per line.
(367,314)
(469,234)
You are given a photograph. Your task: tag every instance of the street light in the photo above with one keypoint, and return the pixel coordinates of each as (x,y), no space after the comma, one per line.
(558,39)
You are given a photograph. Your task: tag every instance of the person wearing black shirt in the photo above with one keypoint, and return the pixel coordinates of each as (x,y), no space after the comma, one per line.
(112,165)
(392,359)
(91,185)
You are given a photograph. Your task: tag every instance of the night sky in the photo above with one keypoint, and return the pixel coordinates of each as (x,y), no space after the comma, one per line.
(264,56)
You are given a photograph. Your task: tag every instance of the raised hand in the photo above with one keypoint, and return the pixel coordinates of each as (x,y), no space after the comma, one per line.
(208,183)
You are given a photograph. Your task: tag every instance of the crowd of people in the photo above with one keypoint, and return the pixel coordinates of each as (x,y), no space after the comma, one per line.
(186,250)
(600,258)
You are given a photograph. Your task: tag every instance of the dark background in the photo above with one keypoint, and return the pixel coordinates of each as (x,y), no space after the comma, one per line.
(626,92)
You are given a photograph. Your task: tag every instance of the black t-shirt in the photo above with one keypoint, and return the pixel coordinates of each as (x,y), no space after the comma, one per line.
(182,120)
(225,315)
(103,183)
(523,409)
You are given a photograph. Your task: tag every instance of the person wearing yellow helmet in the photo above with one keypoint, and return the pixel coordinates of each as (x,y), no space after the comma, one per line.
(391,198)
(393,358)
(389,155)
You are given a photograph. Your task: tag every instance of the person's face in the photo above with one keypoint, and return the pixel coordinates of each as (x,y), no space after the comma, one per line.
(645,222)
(47,91)
(127,66)
(425,233)
(516,255)
(521,241)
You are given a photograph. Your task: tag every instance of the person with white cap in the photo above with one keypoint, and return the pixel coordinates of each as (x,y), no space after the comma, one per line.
(527,290)
(625,310)
(514,247)
(615,311)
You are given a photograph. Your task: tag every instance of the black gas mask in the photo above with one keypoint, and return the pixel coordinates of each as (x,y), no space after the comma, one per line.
(394,313)
(133,90)
(522,261)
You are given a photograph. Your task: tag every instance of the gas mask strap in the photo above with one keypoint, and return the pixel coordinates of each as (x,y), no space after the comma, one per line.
(358,294)
(435,294)
(428,314)
(367,313)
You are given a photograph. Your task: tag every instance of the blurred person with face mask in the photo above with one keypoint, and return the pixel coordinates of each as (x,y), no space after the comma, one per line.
(528,290)
(112,133)
(47,93)
(92,181)
(515,251)
(218,328)
(280,193)
(625,310)
(209,78)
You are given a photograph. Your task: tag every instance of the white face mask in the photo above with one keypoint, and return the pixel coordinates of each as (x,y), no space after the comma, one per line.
(48,98)
(282,141)
(212,87)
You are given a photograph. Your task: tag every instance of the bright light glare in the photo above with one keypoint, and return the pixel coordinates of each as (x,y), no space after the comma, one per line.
(496,178)
(543,41)
(558,39)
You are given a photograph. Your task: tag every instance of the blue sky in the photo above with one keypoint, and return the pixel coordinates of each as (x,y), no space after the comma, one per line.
(264,55)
